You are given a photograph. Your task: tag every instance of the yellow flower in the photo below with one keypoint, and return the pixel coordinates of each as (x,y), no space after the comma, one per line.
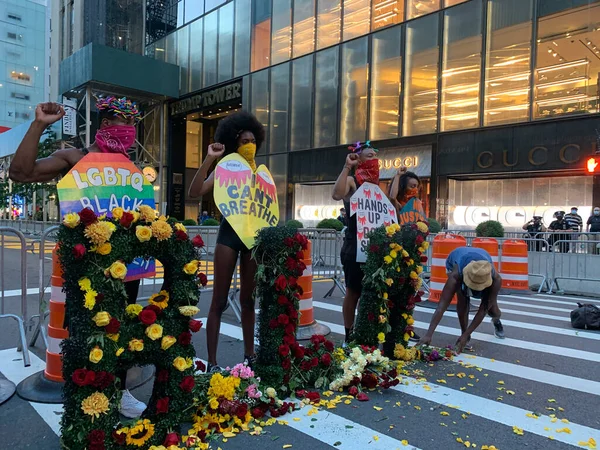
(214,403)
(399,351)
(90,299)
(133,310)
(389,281)
(96,355)
(71,220)
(180,364)
(404,316)
(410,262)
(117,213)
(413,275)
(221,386)
(161,230)
(167,341)
(102,318)
(154,331)
(410,320)
(387,259)
(85,284)
(180,227)
(419,283)
(406,337)
(404,254)
(382,319)
(118,270)
(162,218)
(271,393)
(385,296)
(393,254)
(188,311)
(136,345)
(104,249)
(147,214)
(381,338)
(120,351)
(161,299)
(191,268)
(113,336)
(419,269)
(143,233)
(425,245)
(421,250)
(99,232)
(423,228)
(95,404)
(139,433)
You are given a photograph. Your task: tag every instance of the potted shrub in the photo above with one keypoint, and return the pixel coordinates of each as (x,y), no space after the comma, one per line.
(331,224)
(490,228)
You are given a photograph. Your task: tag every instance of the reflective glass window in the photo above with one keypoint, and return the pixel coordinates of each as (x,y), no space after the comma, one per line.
(225,42)
(328,23)
(357,18)
(183,58)
(355,70)
(448,3)
(547,7)
(568,63)
(241,61)
(508,59)
(259,102)
(416,8)
(282,31)
(212,4)
(387,12)
(461,69)
(304,27)
(196,39)
(280,96)
(386,48)
(301,112)
(278,166)
(209,72)
(326,97)
(193,9)
(171,48)
(160,49)
(261,34)
(421,84)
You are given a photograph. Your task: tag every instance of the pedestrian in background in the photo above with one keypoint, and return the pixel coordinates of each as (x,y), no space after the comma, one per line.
(343,217)
(593,226)
(535,227)
(575,223)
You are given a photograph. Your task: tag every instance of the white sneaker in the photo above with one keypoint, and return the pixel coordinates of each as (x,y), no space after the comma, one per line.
(131,407)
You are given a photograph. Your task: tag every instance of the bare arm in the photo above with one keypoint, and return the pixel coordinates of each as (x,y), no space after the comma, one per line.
(445,299)
(201,185)
(344,182)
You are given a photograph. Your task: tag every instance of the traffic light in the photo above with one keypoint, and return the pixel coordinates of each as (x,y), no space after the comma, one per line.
(592,165)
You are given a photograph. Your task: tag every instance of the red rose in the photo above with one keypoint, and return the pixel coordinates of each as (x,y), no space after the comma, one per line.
(181,235)
(154,308)
(126,219)
(202,278)
(329,346)
(326,359)
(362,397)
(162,405)
(301,393)
(187,384)
(314,362)
(273,323)
(305,366)
(113,326)
(284,350)
(293,314)
(200,366)
(369,381)
(353,391)
(257,413)
(289,339)
(419,240)
(119,438)
(79,251)
(293,282)
(288,242)
(283,319)
(290,263)
(298,352)
(162,376)
(96,437)
(241,410)
(423,259)
(281,283)
(302,240)
(103,380)
(409,328)
(87,216)
(171,439)
(370,317)
(282,300)
(147,316)
(185,338)
(197,241)
(195,325)
(83,377)
(286,364)
(290,329)
(313,396)
(301,266)
(299,256)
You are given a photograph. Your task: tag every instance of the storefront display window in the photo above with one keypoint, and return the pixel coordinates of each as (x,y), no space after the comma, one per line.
(278,125)
(282,31)
(259,102)
(568,63)
(193,152)
(278,167)
(196,38)
(304,27)
(353,120)
(302,88)
(357,18)
(328,23)
(241,61)
(261,34)
(386,48)
(326,97)
(416,8)
(209,72)
(387,12)
(313,203)
(508,58)
(461,69)
(225,42)
(421,85)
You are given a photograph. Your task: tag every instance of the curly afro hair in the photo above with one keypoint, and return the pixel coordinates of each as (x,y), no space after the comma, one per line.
(230,128)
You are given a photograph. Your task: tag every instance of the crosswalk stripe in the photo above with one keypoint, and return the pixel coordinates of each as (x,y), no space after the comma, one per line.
(575,299)
(572,303)
(498,412)
(532,306)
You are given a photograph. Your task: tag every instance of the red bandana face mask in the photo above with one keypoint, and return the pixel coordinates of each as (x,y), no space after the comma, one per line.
(116,139)
(368,172)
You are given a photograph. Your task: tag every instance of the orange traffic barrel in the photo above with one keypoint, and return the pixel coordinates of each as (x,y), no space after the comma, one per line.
(490,245)
(307,325)
(443,244)
(514,267)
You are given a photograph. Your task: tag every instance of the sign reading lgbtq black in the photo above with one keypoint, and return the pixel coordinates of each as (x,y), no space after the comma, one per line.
(524,148)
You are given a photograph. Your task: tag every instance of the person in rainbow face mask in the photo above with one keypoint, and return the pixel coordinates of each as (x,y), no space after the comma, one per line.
(362,166)
(240,132)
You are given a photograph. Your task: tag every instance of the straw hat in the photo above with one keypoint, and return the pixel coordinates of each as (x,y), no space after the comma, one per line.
(477,275)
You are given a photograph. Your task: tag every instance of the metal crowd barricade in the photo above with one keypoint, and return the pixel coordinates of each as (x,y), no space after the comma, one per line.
(21,318)
(570,264)
(326,262)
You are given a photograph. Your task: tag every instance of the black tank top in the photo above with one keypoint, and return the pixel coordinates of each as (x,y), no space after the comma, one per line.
(349,245)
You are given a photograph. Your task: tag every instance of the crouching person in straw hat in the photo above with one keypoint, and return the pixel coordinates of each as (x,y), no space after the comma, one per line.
(470,274)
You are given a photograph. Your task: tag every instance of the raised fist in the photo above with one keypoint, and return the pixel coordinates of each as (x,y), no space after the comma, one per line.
(49,113)
(352,159)
(216,150)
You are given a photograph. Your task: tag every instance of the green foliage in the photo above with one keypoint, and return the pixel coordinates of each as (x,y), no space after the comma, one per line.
(490,228)
(331,224)
(434,225)
(189,223)
(210,223)
(295,224)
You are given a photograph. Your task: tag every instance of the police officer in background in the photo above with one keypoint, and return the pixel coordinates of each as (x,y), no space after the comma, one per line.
(535,227)
(559,224)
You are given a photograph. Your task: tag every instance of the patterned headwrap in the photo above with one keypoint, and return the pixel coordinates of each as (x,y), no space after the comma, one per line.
(359,147)
(122,107)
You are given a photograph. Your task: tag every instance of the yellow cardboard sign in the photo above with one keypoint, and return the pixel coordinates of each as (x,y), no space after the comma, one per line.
(247,200)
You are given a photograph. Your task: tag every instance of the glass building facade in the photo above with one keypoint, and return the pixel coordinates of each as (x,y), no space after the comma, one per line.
(321,74)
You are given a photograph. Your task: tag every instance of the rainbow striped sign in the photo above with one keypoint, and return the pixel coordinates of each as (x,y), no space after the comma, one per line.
(102,182)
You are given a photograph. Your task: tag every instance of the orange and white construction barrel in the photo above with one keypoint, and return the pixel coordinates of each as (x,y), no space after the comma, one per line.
(514,267)
(490,245)
(443,244)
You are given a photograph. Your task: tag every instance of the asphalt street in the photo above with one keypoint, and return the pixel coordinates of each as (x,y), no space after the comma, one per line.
(537,389)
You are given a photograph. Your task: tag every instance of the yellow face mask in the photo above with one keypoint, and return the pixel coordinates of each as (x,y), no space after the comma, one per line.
(247,151)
